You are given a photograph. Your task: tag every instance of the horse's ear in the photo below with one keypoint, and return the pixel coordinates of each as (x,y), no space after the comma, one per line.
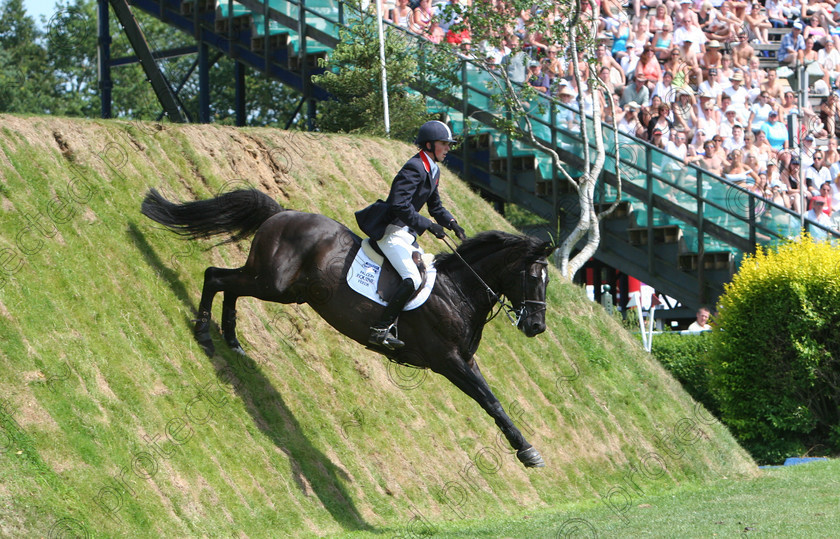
(547,248)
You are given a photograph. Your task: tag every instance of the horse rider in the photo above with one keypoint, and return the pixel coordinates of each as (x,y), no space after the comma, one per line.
(395,223)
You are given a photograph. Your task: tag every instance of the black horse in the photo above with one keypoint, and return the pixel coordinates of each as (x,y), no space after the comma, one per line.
(303,258)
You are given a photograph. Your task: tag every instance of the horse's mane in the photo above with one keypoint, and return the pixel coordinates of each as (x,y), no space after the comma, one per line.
(516,249)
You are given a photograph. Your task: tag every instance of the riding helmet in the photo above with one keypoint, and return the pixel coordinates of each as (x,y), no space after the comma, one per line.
(432,131)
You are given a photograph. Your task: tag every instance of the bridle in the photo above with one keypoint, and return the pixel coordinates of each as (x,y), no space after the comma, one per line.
(513,314)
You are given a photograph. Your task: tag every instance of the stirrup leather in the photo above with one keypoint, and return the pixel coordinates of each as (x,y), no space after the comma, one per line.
(386,337)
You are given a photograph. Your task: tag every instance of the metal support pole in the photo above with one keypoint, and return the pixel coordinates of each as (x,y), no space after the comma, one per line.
(104,58)
(203,84)
(147,61)
(239,92)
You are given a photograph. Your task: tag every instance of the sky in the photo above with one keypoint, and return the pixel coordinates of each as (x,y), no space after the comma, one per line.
(36,8)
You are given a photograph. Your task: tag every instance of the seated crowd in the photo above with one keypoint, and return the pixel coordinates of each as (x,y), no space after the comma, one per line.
(685,76)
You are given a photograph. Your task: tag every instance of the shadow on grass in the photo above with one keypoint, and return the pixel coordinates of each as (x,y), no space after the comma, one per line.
(312,469)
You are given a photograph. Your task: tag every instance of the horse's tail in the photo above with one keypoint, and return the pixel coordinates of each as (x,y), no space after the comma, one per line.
(237,213)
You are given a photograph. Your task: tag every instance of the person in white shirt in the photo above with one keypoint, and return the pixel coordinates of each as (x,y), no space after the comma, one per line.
(712,85)
(663,88)
(759,111)
(736,141)
(817,215)
(629,122)
(737,92)
(816,174)
(701,322)
(728,122)
(676,146)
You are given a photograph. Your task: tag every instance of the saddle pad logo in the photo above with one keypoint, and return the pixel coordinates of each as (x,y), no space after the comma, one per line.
(363,277)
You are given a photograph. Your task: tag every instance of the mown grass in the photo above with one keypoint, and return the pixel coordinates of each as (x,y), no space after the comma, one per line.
(793,501)
(118,424)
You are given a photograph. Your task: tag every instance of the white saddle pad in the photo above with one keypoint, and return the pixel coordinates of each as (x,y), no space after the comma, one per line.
(363,276)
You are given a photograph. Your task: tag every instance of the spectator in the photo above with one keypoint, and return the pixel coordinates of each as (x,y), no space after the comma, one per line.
(817,215)
(421,18)
(663,42)
(648,66)
(790,179)
(566,116)
(685,119)
(775,131)
(712,85)
(814,30)
(701,322)
(660,19)
(729,121)
(637,91)
(629,123)
(656,138)
(738,93)
(661,122)
(663,88)
(791,45)
(743,51)
(765,153)
(758,24)
(776,13)
(773,86)
(401,14)
(829,61)
(708,121)
(605,60)
(712,57)
(692,33)
(754,77)
(711,160)
(816,174)
(641,35)
(832,156)
(676,147)
(835,192)
(516,61)
(737,171)
(629,62)
(537,79)
(788,106)
(621,40)
(825,192)
(759,112)
(725,68)
(736,141)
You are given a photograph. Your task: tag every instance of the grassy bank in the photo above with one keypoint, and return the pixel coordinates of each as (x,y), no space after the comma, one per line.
(115,423)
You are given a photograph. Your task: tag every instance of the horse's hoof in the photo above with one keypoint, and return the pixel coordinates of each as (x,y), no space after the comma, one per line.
(530,457)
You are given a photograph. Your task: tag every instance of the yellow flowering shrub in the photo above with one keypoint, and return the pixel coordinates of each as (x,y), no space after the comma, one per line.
(775,360)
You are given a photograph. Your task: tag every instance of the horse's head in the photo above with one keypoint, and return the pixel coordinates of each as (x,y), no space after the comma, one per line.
(527,293)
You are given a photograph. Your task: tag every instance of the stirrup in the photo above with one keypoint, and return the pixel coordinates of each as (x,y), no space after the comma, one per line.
(385,338)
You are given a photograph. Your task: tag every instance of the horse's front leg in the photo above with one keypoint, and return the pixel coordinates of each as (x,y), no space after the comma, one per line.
(468,378)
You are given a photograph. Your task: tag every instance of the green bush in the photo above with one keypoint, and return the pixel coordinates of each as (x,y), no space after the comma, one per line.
(685,357)
(774,361)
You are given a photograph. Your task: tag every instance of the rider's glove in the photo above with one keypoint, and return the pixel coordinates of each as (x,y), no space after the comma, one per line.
(437,230)
(455,227)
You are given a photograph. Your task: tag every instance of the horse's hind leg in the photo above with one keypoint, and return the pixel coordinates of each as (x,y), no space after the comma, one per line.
(216,280)
(229,322)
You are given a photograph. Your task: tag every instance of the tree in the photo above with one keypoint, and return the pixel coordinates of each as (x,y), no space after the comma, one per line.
(22,60)
(489,26)
(354,79)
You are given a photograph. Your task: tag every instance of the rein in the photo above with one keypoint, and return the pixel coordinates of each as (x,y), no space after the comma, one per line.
(513,314)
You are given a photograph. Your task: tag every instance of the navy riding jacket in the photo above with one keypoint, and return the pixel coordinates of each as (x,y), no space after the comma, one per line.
(412,188)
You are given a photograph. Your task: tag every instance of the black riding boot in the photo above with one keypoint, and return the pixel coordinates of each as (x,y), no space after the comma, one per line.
(380,332)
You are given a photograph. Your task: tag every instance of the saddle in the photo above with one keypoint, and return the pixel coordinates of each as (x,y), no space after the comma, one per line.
(389,279)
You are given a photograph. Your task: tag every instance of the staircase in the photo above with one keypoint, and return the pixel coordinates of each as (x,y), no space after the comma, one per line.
(678,228)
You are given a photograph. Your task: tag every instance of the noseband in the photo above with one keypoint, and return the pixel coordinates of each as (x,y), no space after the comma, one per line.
(515,315)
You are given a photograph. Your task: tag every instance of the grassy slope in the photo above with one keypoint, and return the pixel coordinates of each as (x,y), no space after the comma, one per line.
(311,434)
